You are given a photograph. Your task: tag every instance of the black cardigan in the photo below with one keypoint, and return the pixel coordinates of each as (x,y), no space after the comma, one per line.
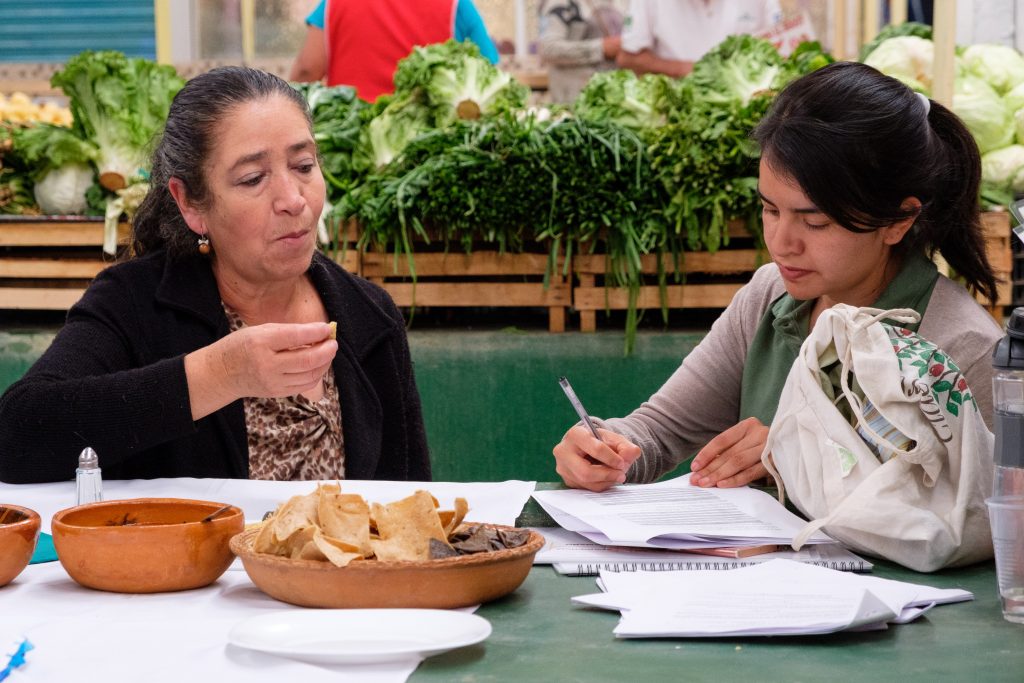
(114,379)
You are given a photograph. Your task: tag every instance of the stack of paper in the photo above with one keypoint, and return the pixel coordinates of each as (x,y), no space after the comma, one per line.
(780,597)
(574,555)
(674,514)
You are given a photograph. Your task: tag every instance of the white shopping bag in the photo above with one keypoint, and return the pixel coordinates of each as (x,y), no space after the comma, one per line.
(921,503)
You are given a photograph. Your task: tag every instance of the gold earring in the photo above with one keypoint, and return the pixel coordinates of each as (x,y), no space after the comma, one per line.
(204,245)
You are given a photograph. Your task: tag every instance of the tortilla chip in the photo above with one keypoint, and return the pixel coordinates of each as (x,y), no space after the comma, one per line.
(406,527)
(346,517)
(337,552)
(265,541)
(327,525)
(451,519)
(300,546)
(298,512)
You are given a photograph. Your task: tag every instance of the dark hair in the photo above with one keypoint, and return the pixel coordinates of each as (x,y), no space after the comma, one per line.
(858,143)
(185,146)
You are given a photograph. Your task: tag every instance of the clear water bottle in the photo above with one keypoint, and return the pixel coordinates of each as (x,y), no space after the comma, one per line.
(88,479)
(1008,399)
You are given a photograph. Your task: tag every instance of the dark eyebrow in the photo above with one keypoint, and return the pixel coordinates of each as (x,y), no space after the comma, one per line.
(806,209)
(258,156)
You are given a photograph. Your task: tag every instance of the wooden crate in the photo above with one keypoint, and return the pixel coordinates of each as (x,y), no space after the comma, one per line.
(483,278)
(734,265)
(998,236)
(47,263)
(712,279)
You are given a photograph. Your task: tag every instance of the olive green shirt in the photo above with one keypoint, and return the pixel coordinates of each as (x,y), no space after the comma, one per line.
(710,389)
(784,327)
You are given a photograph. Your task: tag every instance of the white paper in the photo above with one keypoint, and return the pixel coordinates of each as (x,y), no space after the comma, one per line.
(674,514)
(493,502)
(574,554)
(781,597)
(749,610)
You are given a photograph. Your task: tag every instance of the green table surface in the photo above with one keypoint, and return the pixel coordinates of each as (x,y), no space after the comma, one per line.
(540,636)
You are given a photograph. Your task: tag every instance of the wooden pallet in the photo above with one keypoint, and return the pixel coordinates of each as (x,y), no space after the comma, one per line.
(482,278)
(46,264)
(733,267)
(727,270)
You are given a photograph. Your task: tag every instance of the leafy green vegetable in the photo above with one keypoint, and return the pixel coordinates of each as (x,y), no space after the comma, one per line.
(807,57)
(907,58)
(1003,169)
(45,146)
(119,104)
(983,112)
(736,70)
(61,190)
(1000,66)
(55,165)
(908,28)
(455,82)
(634,102)
(338,121)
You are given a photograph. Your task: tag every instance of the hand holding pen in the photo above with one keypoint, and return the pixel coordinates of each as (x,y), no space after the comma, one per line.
(591,458)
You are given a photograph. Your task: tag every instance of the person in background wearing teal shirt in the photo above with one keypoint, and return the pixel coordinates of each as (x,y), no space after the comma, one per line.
(862,181)
(359,42)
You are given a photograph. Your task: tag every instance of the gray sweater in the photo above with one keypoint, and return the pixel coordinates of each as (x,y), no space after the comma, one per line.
(702,397)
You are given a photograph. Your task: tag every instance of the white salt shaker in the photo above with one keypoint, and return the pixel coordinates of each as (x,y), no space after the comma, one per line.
(88,480)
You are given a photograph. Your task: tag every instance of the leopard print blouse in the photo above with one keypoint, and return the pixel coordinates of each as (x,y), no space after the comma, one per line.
(293,438)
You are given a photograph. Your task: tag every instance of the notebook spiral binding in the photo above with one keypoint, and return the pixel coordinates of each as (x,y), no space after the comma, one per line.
(595,569)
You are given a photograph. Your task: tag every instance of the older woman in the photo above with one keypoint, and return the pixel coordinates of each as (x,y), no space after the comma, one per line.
(210,354)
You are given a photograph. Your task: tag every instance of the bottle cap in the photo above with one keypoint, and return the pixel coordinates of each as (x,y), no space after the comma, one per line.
(1009,352)
(87,459)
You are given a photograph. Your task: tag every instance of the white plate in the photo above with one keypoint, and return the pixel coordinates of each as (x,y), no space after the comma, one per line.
(359,636)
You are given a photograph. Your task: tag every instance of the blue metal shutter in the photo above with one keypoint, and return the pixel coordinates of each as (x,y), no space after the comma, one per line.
(54,30)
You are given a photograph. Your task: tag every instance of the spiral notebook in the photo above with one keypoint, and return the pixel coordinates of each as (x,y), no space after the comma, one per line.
(573,555)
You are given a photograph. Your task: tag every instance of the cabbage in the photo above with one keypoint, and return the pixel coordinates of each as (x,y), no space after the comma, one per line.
(394,128)
(1000,66)
(907,58)
(455,82)
(1018,120)
(984,113)
(735,70)
(119,105)
(61,191)
(626,99)
(1014,100)
(1004,168)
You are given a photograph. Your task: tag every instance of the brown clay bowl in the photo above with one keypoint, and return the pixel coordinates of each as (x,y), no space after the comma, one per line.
(439,584)
(145,545)
(19,530)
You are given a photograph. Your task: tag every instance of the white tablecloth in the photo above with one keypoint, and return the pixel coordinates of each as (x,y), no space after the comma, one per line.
(85,635)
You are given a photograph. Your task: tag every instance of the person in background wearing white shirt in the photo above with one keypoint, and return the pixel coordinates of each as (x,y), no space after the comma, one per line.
(668,36)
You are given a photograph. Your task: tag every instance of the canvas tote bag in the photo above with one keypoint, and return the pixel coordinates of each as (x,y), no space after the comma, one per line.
(921,503)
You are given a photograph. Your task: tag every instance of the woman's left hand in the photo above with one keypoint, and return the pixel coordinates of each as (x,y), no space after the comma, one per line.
(733,458)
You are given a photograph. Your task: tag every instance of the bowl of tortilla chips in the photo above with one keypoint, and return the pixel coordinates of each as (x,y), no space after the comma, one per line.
(332,549)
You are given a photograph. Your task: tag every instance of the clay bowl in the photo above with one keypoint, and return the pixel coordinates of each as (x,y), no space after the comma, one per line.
(19,530)
(145,545)
(439,584)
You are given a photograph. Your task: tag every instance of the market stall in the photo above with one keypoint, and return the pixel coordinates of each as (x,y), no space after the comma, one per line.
(454,193)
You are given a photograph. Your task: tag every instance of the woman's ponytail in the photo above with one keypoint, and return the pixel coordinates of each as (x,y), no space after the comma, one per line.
(951,222)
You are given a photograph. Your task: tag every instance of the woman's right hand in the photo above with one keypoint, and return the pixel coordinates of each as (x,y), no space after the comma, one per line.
(584,462)
(267,361)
